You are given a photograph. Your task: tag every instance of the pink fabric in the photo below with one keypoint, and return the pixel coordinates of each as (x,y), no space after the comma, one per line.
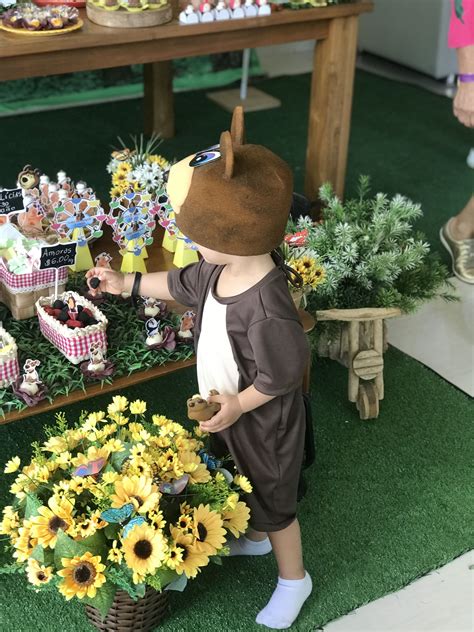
(462,33)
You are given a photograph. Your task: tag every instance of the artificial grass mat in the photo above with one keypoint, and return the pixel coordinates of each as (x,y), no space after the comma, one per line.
(388,501)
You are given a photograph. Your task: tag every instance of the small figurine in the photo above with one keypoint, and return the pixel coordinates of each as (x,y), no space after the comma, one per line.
(157,339)
(263,7)
(63,181)
(103,260)
(31,220)
(250,9)
(186,326)
(81,190)
(207,12)
(98,367)
(97,358)
(152,307)
(28,178)
(236,8)
(222,12)
(200,410)
(189,15)
(29,387)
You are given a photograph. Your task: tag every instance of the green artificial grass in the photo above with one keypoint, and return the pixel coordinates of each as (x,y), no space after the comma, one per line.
(388,500)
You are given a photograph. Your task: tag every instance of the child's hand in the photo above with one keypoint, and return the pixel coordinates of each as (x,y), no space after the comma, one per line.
(110,280)
(229,413)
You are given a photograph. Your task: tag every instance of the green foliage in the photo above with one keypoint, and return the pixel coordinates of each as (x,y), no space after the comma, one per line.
(103,599)
(119,576)
(213,493)
(33,503)
(12,569)
(370,253)
(66,547)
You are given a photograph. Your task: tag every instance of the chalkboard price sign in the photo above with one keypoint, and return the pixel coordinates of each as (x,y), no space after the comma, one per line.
(11,201)
(58,256)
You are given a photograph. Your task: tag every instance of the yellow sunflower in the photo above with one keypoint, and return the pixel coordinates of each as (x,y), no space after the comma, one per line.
(144,550)
(24,543)
(160,420)
(56,445)
(192,559)
(185,523)
(37,574)
(236,520)
(10,521)
(174,557)
(115,553)
(82,576)
(138,490)
(45,526)
(208,530)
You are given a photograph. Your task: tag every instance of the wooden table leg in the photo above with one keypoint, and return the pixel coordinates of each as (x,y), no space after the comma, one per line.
(330,106)
(159,110)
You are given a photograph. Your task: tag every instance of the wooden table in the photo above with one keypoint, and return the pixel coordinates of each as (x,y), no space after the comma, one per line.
(95,46)
(159,259)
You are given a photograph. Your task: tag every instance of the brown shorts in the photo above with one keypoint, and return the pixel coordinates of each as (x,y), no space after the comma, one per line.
(267,447)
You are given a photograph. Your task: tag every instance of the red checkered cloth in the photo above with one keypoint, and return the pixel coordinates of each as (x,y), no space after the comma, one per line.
(75,348)
(30,281)
(9,372)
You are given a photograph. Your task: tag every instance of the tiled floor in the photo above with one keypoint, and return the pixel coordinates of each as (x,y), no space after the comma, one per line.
(439,602)
(441,335)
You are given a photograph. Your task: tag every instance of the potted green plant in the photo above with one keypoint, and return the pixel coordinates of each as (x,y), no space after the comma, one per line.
(372,266)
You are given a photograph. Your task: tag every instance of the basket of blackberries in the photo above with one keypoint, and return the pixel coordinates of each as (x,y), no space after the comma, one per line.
(71,323)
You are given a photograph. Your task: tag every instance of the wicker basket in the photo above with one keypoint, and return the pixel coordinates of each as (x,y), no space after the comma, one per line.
(73,343)
(20,292)
(126,615)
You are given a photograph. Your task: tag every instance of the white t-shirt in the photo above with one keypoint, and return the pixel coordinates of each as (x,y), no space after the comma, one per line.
(216,367)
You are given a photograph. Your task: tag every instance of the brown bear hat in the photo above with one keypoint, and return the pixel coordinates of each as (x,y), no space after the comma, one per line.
(238,195)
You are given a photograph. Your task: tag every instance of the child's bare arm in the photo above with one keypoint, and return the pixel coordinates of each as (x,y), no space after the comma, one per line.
(154,284)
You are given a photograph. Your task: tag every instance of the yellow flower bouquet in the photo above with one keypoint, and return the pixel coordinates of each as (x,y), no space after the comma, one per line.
(119,501)
(138,169)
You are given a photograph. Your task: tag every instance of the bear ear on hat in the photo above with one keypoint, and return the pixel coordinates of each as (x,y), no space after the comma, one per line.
(227,154)
(237,128)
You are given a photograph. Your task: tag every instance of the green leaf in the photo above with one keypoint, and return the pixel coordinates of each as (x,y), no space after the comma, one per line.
(118,458)
(38,554)
(165,576)
(103,599)
(65,547)
(95,544)
(154,581)
(11,569)
(111,531)
(140,590)
(33,503)
(215,559)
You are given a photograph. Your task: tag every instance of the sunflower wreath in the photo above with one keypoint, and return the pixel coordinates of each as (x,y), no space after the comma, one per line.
(119,501)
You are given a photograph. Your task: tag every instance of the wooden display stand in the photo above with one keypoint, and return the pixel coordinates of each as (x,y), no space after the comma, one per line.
(359,347)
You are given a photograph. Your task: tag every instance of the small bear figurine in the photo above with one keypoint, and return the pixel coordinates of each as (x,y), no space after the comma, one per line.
(31,382)
(200,410)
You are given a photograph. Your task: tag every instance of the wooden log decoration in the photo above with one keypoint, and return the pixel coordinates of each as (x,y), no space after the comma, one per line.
(368,401)
(368,364)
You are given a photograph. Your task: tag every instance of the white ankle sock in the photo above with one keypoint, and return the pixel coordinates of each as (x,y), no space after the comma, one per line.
(244,546)
(285,603)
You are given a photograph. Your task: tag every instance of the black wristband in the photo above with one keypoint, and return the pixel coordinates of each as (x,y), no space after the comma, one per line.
(136,287)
